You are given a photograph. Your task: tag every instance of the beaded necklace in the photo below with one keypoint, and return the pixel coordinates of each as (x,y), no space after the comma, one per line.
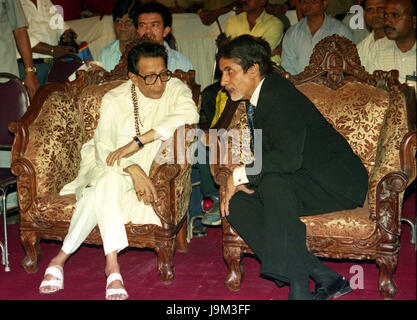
(136,109)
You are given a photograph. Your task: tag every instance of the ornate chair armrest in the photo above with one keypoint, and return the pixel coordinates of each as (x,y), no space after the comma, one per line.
(171,174)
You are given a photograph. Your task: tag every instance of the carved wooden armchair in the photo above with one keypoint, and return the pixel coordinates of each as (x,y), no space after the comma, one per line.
(377,117)
(46,156)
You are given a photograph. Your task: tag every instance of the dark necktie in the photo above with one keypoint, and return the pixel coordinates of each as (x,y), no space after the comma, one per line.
(250,110)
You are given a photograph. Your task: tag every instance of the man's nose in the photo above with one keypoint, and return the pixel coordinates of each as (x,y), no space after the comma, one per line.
(223,80)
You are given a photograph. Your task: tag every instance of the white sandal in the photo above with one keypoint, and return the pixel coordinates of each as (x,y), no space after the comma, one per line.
(57,272)
(110,292)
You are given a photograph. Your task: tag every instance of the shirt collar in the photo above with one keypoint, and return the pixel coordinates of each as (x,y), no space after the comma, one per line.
(255,95)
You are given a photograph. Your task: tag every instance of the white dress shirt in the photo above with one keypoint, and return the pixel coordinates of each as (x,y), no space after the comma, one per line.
(389,57)
(45,25)
(239,173)
(367,50)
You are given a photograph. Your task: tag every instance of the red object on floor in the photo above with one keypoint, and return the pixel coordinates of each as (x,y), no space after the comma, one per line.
(207,203)
(199,273)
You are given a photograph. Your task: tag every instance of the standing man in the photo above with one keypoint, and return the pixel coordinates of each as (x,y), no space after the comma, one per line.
(153,23)
(300,39)
(124,26)
(303,161)
(374,20)
(14,36)
(44,38)
(112,191)
(400,28)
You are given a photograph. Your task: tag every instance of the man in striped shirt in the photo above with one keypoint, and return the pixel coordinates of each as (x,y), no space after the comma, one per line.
(400,28)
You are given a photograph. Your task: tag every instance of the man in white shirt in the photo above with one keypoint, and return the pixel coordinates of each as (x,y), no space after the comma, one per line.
(112,187)
(153,23)
(300,40)
(46,26)
(374,20)
(400,28)
(123,16)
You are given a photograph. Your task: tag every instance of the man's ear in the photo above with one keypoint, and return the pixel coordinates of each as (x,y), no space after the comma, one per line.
(254,70)
(134,78)
(167,30)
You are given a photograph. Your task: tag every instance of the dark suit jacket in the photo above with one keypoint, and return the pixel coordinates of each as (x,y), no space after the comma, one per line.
(295,135)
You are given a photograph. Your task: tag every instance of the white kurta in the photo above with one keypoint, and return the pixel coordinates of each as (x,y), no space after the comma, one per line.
(107,194)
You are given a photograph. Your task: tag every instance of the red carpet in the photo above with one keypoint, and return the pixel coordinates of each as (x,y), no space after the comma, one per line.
(199,274)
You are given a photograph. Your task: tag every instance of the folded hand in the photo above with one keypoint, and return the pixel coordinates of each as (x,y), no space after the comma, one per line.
(122,152)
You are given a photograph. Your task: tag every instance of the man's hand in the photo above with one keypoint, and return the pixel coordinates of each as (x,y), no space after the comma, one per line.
(231,189)
(122,152)
(208,17)
(31,83)
(145,190)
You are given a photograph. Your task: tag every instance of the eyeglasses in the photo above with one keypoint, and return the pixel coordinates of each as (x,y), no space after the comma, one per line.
(150,79)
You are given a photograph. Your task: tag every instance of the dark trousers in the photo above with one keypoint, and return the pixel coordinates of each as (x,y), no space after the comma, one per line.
(42,71)
(268,221)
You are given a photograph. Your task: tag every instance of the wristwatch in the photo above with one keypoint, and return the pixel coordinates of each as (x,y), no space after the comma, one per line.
(30,69)
(139,143)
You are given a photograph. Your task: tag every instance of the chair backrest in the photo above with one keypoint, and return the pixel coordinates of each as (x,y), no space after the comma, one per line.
(14,103)
(63,67)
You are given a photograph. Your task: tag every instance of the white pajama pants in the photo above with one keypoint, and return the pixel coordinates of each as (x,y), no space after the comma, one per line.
(100,205)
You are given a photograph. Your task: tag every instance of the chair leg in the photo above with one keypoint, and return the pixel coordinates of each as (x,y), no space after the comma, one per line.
(30,242)
(165,253)
(233,257)
(181,238)
(5,249)
(387,266)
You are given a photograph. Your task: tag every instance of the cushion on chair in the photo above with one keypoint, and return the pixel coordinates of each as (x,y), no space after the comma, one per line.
(347,224)
(345,108)
(55,143)
(89,105)
(56,207)
(354,103)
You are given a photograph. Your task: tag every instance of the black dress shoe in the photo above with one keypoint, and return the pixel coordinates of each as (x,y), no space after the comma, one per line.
(335,289)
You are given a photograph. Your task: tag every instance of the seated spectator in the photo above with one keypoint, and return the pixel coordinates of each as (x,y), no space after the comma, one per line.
(300,39)
(374,20)
(255,21)
(124,26)
(358,34)
(113,187)
(153,23)
(44,38)
(400,28)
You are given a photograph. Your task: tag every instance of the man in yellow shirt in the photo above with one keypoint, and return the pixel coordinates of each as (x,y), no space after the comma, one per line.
(255,21)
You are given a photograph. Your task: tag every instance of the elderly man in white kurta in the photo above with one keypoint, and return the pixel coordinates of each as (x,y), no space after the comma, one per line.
(113,187)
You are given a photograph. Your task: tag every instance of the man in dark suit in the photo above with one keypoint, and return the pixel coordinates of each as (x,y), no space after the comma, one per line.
(307,168)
